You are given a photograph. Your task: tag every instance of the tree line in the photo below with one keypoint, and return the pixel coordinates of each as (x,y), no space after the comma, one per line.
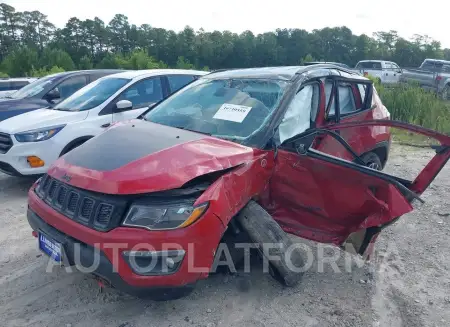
(31,45)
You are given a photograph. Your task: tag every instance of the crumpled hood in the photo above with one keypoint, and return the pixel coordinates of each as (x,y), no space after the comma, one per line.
(40,118)
(141,157)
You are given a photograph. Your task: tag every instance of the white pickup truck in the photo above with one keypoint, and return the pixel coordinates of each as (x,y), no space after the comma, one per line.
(387,72)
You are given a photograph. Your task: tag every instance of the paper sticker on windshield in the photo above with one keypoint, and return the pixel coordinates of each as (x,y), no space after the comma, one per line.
(232,112)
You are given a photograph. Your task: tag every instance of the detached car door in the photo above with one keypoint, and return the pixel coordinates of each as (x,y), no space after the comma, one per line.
(331,200)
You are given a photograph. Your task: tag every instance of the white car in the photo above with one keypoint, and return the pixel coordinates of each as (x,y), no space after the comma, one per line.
(387,72)
(11,85)
(31,142)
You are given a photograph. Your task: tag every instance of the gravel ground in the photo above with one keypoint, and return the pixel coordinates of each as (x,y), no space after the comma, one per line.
(406,285)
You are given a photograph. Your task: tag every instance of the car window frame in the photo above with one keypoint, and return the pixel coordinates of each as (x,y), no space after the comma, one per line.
(62,81)
(194,78)
(335,96)
(109,108)
(317,92)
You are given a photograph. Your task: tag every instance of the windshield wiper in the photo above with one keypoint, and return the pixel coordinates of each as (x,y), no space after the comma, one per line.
(191,130)
(226,137)
(61,109)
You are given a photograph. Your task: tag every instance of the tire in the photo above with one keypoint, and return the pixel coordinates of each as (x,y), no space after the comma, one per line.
(263,230)
(372,161)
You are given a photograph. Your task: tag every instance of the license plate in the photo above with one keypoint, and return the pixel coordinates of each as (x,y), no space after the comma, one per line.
(50,247)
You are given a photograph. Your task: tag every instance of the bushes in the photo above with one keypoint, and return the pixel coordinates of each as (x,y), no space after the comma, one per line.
(414,105)
(44,72)
(136,60)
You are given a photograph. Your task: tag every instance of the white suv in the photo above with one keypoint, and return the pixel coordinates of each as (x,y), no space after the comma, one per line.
(31,142)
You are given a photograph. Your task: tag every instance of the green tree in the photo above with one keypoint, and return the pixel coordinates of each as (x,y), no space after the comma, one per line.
(36,29)
(56,57)
(85,63)
(20,62)
(184,64)
(121,44)
(44,72)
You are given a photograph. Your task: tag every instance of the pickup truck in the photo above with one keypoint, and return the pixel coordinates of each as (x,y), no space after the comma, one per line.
(433,75)
(387,72)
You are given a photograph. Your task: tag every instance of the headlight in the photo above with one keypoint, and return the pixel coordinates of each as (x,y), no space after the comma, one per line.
(37,135)
(163,217)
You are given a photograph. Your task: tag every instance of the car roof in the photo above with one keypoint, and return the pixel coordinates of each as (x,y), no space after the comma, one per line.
(82,72)
(131,74)
(374,61)
(281,73)
(324,62)
(438,60)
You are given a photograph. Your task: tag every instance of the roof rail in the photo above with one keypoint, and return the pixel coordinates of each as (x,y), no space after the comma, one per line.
(222,70)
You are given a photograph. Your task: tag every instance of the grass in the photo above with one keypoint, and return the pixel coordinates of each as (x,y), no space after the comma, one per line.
(412,104)
(413,139)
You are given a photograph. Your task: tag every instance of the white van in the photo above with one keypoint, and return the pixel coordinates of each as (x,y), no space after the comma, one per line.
(31,142)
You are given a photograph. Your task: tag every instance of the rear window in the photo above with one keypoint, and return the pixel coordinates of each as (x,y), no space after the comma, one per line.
(18,84)
(369,65)
(12,85)
(435,66)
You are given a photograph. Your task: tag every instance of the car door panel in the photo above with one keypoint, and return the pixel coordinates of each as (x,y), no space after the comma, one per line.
(361,139)
(327,199)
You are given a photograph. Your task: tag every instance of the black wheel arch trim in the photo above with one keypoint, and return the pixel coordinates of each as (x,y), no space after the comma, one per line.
(78,140)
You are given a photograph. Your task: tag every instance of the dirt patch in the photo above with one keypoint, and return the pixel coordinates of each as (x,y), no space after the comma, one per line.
(407,285)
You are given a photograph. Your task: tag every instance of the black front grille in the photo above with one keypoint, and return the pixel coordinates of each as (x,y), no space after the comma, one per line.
(98,211)
(5,143)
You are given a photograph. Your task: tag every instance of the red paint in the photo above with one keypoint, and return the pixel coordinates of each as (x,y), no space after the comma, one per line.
(164,170)
(309,197)
(204,236)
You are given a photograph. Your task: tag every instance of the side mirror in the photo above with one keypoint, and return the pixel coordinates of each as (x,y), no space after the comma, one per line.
(53,95)
(123,105)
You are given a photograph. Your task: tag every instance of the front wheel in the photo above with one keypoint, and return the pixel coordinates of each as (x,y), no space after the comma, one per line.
(372,161)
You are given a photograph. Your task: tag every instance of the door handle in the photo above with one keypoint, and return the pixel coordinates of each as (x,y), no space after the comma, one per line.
(106,125)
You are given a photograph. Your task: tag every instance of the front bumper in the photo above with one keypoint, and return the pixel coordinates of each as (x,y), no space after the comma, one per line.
(199,241)
(14,162)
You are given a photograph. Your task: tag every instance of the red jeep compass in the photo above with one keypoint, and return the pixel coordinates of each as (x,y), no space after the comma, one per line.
(148,202)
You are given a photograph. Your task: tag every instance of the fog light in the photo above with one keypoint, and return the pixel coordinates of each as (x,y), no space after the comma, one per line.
(35,162)
(151,263)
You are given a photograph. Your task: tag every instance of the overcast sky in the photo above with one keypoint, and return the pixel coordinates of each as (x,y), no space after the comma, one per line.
(406,17)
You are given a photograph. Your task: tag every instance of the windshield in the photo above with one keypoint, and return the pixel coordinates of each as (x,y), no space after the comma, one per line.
(32,89)
(92,95)
(231,108)
(375,65)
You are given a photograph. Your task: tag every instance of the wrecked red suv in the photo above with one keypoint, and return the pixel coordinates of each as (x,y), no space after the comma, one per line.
(147,203)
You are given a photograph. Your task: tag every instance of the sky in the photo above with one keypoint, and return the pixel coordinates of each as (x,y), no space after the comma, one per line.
(260,16)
